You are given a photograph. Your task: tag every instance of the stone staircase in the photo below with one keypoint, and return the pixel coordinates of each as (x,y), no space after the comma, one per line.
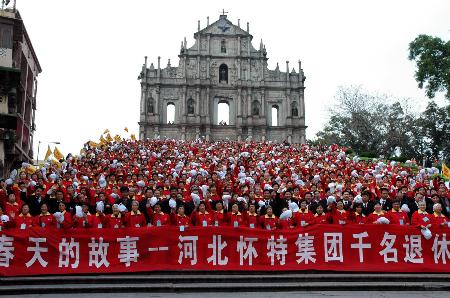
(189,281)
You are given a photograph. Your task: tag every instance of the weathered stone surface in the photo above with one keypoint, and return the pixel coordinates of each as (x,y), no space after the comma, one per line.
(222,66)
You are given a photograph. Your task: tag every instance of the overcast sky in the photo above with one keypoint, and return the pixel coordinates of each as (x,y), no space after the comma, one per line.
(91,53)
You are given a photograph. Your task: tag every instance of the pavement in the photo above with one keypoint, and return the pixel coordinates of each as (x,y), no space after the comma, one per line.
(314,294)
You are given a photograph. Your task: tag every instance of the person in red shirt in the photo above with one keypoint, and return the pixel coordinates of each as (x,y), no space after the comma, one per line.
(358,217)
(236,218)
(421,218)
(338,214)
(134,218)
(286,223)
(24,220)
(89,220)
(303,217)
(159,218)
(45,219)
(439,220)
(321,217)
(201,218)
(12,208)
(396,215)
(67,222)
(219,215)
(376,214)
(114,220)
(251,217)
(269,221)
(180,219)
(4,220)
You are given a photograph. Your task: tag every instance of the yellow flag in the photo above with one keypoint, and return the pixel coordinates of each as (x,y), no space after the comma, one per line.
(108,138)
(118,139)
(106,131)
(57,154)
(445,171)
(93,144)
(126,129)
(133,137)
(49,152)
(102,140)
(30,169)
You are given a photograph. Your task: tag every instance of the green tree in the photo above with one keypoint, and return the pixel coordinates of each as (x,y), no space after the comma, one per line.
(432,57)
(434,124)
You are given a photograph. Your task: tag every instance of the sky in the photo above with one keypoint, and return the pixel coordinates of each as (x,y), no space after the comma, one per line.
(91,53)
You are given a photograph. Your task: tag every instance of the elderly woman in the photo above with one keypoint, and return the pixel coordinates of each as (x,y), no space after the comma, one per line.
(236,218)
(338,214)
(157,217)
(439,220)
(135,218)
(421,218)
(114,220)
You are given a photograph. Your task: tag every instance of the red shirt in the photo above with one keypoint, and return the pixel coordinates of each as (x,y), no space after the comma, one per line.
(220,218)
(301,218)
(359,219)
(269,222)
(26,220)
(398,217)
(252,220)
(373,217)
(420,218)
(236,219)
(114,221)
(179,220)
(340,217)
(201,219)
(12,208)
(160,219)
(46,220)
(286,224)
(135,219)
(437,221)
(321,219)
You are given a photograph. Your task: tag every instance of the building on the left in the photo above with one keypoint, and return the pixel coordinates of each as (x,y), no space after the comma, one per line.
(19,68)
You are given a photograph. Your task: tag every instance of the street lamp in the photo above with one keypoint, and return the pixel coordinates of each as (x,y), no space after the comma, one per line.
(39,145)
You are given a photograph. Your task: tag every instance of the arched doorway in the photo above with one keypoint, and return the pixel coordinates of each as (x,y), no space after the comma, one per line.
(170,113)
(223,115)
(275,115)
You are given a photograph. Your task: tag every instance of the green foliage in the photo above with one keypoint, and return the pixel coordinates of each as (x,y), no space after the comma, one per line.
(371,127)
(432,57)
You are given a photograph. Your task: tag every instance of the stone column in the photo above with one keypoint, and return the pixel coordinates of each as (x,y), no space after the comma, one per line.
(197,101)
(143,101)
(157,106)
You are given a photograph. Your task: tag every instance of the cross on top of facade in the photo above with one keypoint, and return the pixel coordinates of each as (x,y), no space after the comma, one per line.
(224,12)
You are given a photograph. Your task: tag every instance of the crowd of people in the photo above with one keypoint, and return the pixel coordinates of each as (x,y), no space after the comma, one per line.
(261,185)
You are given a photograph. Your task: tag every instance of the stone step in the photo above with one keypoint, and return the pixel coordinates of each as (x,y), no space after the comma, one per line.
(223,277)
(222,287)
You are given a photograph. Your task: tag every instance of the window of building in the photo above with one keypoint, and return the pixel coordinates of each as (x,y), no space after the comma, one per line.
(223,46)
(255,108)
(275,115)
(190,106)
(223,74)
(294,109)
(170,113)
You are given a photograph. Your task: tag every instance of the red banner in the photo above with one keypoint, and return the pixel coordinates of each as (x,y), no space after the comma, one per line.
(321,247)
